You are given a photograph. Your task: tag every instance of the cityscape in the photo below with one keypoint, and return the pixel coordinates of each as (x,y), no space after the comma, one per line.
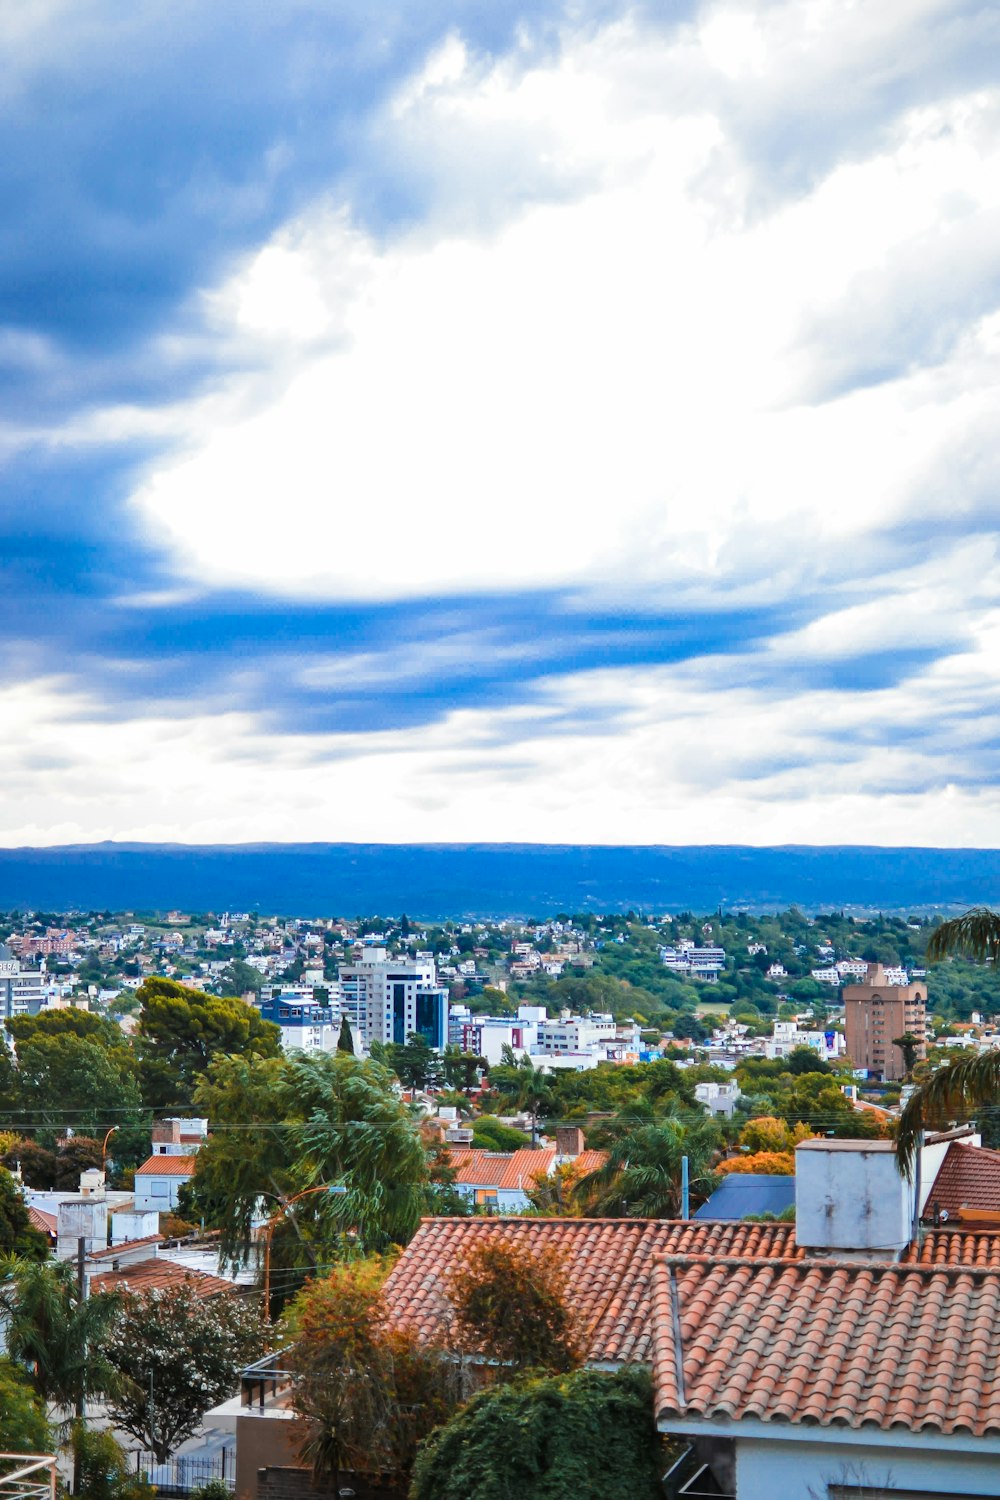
(499,778)
(218,1124)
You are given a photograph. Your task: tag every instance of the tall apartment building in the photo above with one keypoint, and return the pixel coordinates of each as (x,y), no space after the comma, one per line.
(876,1012)
(385,999)
(20,989)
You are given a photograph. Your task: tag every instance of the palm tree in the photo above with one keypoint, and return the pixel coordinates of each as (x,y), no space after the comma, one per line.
(642,1175)
(975,934)
(954,1092)
(534,1092)
(57,1333)
(957,1090)
(54,1331)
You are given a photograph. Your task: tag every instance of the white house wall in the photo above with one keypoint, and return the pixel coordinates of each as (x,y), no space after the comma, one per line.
(811,1471)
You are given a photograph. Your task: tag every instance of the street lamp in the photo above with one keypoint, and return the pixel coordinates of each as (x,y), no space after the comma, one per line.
(104,1147)
(335,1189)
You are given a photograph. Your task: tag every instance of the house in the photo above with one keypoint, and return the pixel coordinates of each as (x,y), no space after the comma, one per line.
(176,1136)
(159,1180)
(798,1362)
(718,1099)
(966,1186)
(499,1180)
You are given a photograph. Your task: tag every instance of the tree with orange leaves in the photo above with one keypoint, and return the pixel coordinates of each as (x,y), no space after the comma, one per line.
(763,1163)
(366,1395)
(511,1307)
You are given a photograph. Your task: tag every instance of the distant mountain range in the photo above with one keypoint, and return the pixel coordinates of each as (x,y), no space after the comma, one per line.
(482,880)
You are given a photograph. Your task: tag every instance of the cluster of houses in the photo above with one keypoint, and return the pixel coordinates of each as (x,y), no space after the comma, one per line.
(850,1354)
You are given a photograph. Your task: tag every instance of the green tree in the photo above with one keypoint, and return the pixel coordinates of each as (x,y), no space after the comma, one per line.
(64,1079)
(415,1064)
(72,1021)
(526,1087)
(104,1469)
(291,1123)
(908,1045)
(17,1236)
(462,1069)
(345,1042)
(805,1060)
(23,1424)
(175,1355)
(642,1174)
(975,935)
(181,1030)
(492,1135)
(558,1438)
(58,1334)
(239,977)
(37,1164)
(956,1092)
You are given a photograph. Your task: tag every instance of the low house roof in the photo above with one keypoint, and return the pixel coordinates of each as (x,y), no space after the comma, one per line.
(742,1193)
(47,1223)
(167,1166)
(124,1248)
(513,1169)
(500,1169)
(610,1267)
(609,1264)
(157,1274)
(969,1177)
(828,1343)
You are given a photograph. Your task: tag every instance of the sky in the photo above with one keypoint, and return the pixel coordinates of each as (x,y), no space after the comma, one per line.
(561,422)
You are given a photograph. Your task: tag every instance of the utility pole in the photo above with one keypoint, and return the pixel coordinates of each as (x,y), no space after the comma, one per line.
(81,1403)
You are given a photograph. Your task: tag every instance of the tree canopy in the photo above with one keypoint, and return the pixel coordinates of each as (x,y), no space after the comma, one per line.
(369,1394)
(511,1304)
(181,1030)
(557,1438)
(17,1234)
(23,1424)
(175,1355)
(287,1124)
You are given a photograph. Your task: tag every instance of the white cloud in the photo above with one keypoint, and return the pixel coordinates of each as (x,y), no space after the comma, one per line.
(587,363)
(665,755)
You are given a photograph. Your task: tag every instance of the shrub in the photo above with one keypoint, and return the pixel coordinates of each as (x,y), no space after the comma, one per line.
(556,1438)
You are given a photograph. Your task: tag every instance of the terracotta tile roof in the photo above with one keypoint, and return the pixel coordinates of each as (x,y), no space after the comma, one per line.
(167,1166)
(509,1169)
(147,1275)
(588,1161)
(47,1223)
(113,1250)
(956,1247)
(827,1342)
(609,1263)
(969,1177)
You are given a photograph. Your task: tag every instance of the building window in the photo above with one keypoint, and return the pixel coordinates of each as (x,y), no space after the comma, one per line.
(399,1014)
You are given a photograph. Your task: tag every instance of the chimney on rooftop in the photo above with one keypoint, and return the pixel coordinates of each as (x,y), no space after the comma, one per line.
(569,1140)
(850,1199)
(166,1133)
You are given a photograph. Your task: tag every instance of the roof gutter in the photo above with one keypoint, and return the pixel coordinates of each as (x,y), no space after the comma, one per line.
(675,1318)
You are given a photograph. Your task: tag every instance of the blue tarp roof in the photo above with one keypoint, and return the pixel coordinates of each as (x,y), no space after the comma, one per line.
(743,1193)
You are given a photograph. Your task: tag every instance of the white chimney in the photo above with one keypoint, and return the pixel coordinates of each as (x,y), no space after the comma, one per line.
(849,1197)
(81,1218)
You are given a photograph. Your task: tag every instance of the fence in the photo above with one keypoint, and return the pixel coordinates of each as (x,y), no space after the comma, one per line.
(187,1472)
